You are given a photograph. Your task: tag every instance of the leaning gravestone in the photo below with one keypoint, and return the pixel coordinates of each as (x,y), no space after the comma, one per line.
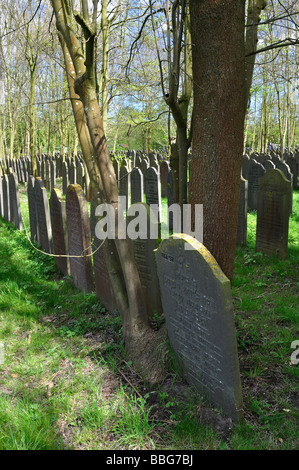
(274,199)
(15,209)
(143,248)
(43,216)
(59,231)
(79,238)
(196,298)
(103,284)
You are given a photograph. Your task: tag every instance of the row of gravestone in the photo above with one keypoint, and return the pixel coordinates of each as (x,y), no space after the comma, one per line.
(274,205)
(10,200)
(186,285)
(253,170)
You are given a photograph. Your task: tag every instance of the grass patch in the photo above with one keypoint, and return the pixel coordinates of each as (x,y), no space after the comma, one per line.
(66,383)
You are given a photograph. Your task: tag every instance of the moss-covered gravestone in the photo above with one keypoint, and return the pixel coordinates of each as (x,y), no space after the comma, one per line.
(196,299)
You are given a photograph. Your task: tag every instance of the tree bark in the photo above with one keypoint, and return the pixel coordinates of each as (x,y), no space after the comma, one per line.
(217,32)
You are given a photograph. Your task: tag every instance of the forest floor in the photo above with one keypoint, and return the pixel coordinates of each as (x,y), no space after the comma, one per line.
(65,381)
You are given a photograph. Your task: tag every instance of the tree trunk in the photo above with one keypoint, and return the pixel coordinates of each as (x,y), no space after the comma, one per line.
(217,32)
(140,340)
(32,118)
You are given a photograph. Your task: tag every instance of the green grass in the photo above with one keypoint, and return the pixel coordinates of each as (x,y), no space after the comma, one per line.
(66,383)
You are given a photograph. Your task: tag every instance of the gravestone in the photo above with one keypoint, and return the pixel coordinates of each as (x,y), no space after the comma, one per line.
(242,215)
(197,303)
(287,173)
(44,231)
(268,165)
(15,209)
(32,208)
(274,199)
(103,284)
(153,191)
(255,171)
(79,238)
(143,248)
(59,231)
(164,170)
(124,184)
(144,165)
(137,190)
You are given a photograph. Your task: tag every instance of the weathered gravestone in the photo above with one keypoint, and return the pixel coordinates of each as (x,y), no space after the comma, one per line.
(103,284)
(15,209)
(144,239)
(242,215)
(44,232)
(137,190)
(196,298)
(59,231)
(153,191)
(274,199)
(255,171)
(79,238)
